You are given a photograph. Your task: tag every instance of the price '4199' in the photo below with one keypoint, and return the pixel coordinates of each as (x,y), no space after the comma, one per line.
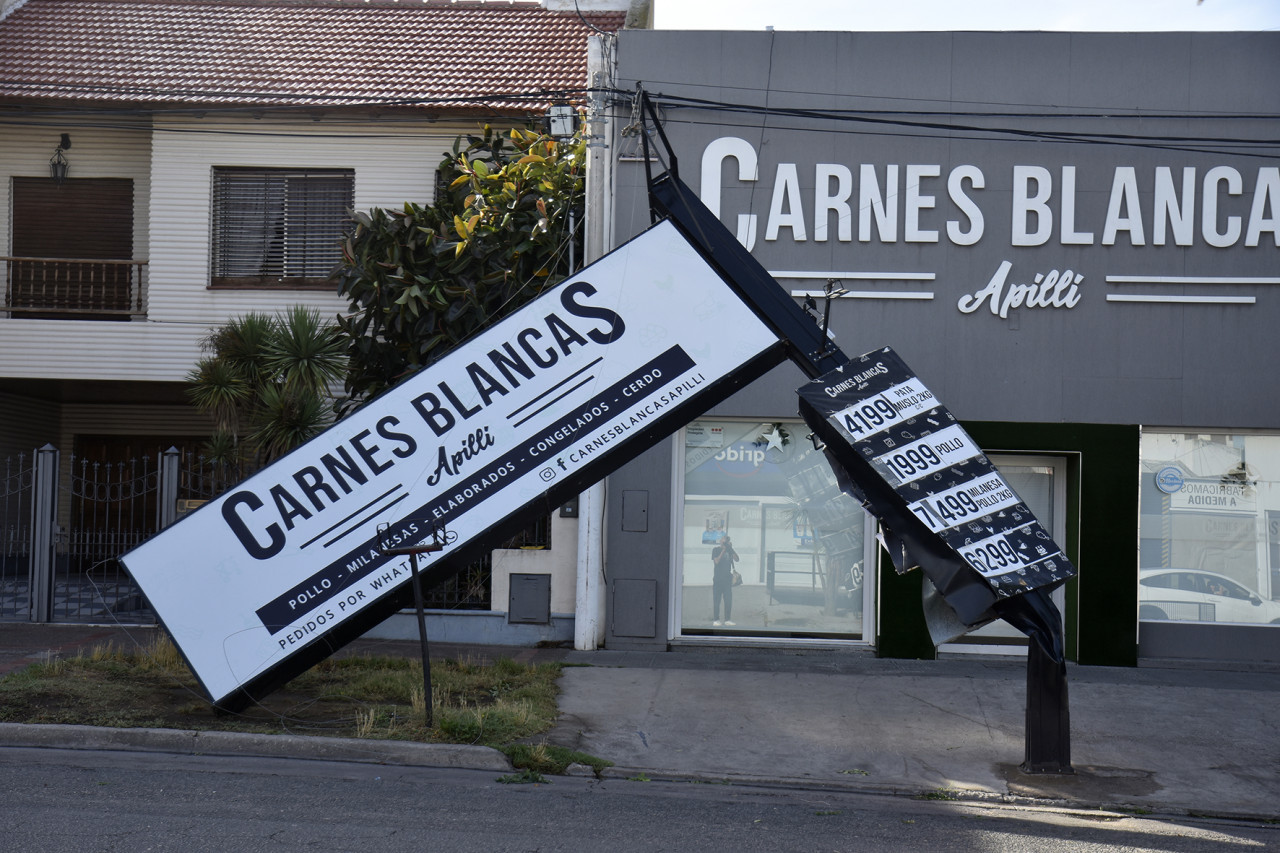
(869,416)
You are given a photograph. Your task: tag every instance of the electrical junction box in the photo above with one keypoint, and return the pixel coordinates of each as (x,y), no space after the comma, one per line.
(529,600)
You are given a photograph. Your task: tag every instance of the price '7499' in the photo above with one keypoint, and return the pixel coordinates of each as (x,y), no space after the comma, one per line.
(946,511)
(964,502)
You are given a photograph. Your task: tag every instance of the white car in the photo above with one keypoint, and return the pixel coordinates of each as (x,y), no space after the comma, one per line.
(1196,596)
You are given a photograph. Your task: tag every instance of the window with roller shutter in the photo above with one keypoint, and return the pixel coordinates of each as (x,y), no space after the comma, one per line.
(278,227)
(72,250)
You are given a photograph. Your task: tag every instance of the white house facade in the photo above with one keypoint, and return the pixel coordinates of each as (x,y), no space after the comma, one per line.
(206,172)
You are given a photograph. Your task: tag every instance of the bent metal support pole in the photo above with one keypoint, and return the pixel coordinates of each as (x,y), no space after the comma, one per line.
(437,544)
(1048,737)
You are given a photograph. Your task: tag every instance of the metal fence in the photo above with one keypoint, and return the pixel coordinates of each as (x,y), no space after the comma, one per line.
(111,507)
(63,529)
(472,588)
(15,536)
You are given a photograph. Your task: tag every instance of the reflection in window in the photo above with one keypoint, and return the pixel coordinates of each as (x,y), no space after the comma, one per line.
(798,540)
(1210,528)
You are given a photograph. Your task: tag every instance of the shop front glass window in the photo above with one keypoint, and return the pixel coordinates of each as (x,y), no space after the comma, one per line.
(762,500)
(1210,528)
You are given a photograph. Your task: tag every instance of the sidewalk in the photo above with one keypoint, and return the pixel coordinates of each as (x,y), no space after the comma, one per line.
(1167,740)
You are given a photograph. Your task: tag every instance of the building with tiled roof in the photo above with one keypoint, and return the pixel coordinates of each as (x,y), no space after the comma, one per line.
(503,57)
(154,155)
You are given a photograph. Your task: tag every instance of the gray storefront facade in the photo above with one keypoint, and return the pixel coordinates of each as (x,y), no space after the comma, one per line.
(1074,239)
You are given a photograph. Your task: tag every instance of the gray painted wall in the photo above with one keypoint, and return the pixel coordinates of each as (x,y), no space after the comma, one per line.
(1100,361)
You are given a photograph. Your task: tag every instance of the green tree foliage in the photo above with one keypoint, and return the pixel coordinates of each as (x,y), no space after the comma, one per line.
(421,280)
(266,380)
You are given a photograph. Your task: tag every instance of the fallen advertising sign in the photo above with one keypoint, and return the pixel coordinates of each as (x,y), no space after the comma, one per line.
(968,599)
(511,423)
(931,485)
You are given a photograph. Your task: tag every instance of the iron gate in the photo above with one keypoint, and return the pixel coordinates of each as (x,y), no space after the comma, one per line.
(63,528)
(16,481)
(105,509)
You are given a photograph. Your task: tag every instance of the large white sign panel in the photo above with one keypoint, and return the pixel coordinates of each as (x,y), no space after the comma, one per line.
(293,552)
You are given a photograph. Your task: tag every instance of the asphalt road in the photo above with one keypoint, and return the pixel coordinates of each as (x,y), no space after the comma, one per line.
(69,800)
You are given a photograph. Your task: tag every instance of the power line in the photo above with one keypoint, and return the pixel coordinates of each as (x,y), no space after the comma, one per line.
(917,120)
(1231,146)
(1060,110)
(1221,149)
(925,124)
(311,101)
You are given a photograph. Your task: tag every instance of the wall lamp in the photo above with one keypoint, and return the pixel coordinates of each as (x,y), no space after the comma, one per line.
(58,165)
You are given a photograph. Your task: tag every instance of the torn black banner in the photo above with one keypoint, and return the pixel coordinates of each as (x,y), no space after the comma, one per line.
(941,504)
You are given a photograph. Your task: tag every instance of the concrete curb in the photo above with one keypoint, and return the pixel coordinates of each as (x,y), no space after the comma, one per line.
(409,754)
(464,757)
(972,796)
(640,774)
(887,789)
(187,742)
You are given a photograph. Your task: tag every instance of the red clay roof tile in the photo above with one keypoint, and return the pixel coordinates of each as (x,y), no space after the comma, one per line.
(314,53)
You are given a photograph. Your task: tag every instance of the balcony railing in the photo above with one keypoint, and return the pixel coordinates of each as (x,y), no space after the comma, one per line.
(74,288)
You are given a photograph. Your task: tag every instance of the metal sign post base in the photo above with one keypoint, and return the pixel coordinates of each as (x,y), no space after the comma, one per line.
(1048,727)
(440,537)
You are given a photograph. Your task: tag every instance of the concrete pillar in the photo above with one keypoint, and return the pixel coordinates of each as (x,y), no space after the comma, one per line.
(44,528)
(167,508)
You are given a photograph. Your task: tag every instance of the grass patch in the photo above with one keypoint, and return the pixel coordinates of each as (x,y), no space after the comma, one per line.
(547,758)
(1137,811)
(938,794)
(493,704)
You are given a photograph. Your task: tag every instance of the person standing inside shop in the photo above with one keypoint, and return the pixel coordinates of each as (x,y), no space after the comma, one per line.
(722,558)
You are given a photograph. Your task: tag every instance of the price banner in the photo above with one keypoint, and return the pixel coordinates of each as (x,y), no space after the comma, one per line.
(937,472)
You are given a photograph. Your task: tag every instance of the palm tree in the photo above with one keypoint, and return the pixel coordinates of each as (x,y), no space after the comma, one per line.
(266,381)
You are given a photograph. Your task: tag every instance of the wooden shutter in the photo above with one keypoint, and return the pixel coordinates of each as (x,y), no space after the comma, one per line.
(89,218)
(59,231)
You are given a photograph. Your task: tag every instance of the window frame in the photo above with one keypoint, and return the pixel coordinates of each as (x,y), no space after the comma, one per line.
(306,241)
(691,633)
(1261,468)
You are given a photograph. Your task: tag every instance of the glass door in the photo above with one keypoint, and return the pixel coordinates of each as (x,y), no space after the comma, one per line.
(767,545)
